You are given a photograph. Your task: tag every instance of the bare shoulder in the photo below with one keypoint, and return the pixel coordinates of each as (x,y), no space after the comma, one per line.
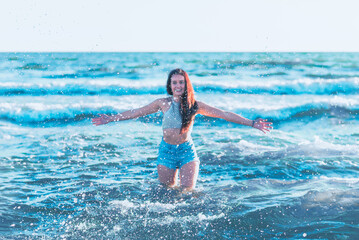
(208,110)
(163,101)
(202,105)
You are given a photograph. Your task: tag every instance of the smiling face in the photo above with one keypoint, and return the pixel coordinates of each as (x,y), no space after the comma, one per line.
(178,85)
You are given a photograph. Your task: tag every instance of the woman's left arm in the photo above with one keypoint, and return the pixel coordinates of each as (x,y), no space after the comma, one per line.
(210,111)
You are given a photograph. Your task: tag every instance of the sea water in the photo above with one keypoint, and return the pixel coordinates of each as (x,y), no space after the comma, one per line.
(63,178)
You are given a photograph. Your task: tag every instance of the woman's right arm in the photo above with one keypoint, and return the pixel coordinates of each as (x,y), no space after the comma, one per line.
(130,114)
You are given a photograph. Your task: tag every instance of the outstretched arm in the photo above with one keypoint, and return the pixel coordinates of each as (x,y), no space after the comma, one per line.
(134,113)
(210,111)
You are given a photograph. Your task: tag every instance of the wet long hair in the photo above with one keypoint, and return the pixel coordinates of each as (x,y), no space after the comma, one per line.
(189,106)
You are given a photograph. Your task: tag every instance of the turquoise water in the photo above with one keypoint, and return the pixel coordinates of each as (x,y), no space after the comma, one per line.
(62,178)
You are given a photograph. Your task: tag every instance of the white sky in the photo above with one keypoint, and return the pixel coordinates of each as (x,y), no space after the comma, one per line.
(186,25)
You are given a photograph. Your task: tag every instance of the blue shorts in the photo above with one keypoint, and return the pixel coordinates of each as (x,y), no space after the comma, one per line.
(175,156)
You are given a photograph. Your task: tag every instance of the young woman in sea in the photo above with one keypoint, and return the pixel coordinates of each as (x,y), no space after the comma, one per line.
(177,151)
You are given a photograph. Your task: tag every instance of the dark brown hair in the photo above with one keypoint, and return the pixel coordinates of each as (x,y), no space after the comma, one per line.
(189,106)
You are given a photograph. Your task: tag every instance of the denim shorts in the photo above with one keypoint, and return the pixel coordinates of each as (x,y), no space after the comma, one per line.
(175,156)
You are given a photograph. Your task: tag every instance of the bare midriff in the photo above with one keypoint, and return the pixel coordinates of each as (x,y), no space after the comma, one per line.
(174,137)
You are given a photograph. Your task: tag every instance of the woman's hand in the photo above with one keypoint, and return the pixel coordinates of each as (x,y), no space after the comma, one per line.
(103,119)
(262,124)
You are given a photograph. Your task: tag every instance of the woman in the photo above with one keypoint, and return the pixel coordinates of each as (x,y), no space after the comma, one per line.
(176,149)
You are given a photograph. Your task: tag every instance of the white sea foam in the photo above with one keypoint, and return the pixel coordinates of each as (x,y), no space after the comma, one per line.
(157,207)
(272,83)
(324,148)
(123,205)
(331,199)
(199,218)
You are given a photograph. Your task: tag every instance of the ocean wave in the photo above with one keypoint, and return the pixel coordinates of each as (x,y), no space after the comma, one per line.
(96,73)
(33,66)
(277,87)
(59,113)
(330,76)
(228,212)
(127,87)
(286,64)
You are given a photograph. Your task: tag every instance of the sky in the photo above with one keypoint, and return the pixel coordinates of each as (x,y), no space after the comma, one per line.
(179,26)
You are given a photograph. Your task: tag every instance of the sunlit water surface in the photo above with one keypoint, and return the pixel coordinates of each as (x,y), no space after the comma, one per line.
(62,178)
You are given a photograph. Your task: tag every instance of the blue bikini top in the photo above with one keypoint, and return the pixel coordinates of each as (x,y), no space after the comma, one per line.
(172,118)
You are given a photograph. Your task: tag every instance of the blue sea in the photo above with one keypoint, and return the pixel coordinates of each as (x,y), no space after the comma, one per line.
(63,178)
